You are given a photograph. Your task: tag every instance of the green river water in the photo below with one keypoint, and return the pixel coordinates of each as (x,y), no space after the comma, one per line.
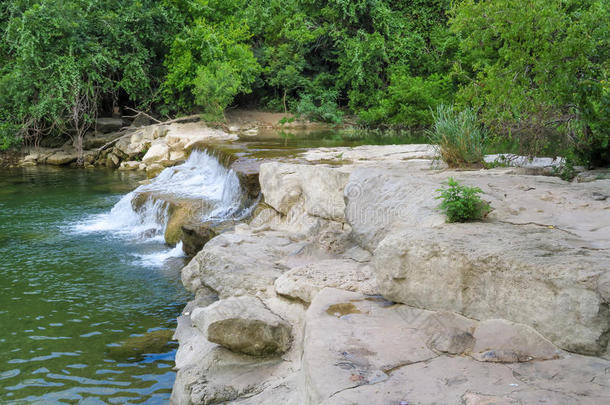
(68,299)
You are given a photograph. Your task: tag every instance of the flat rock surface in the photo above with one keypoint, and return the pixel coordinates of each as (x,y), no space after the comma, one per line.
(370,353)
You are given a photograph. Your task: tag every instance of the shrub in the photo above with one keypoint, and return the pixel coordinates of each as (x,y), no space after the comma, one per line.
(462,203)
(320,107)
(408,101)
(460,138)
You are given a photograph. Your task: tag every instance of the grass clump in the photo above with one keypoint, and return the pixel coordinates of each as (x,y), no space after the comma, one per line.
(460,138)
(462,203)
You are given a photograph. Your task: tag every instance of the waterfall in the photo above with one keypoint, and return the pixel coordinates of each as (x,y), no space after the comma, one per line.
(142,215)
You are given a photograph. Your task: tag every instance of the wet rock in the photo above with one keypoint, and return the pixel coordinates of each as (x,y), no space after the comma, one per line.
(179,214)
(105,125)
(112,160)
(248,173)
(176,157)
(128,166)
(135,347)
(152,170)
(244,325)
(195,236)
(32,157)
(61,158)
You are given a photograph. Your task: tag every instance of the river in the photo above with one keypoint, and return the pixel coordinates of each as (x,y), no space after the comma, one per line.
(70,298)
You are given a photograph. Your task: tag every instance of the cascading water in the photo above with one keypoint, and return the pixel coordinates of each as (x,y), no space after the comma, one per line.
(142,215)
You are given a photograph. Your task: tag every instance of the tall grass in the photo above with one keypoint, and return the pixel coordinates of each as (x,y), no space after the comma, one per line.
(460,138)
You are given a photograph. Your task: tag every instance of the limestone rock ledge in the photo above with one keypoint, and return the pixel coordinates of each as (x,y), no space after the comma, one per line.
(387,303)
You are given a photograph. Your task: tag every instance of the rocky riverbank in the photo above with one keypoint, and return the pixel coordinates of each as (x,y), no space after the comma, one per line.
(348,287)
(140,144)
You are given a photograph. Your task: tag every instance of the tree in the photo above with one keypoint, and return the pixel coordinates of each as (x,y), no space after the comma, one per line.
(536,68)
(65,58)
(211,47)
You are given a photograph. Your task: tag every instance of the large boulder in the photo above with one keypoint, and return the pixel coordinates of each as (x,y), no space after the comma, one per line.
(61,158)
(244,325)
(528,274)
(158,153)
(208,373)
(319,188)
(252,271)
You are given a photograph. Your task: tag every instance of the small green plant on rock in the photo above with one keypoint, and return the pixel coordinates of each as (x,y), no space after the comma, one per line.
(462,203)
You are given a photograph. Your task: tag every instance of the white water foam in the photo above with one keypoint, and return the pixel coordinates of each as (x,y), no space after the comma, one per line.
(201,177)
(158,258)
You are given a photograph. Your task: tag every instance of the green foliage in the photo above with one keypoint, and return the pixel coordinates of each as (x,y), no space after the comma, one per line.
(566,171)
(320,107)
(460,138)
(538,67)
(535,71)
(408,100)
(61,59)
(215,86)
(462,203)
(212,46)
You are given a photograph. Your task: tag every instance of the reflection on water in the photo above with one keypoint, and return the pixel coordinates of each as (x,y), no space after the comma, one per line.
(82,315)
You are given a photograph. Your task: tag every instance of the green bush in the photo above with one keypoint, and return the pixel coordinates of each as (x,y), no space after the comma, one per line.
(462,203)
(408,101)
(460,138)
(538,68)
(321,106)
